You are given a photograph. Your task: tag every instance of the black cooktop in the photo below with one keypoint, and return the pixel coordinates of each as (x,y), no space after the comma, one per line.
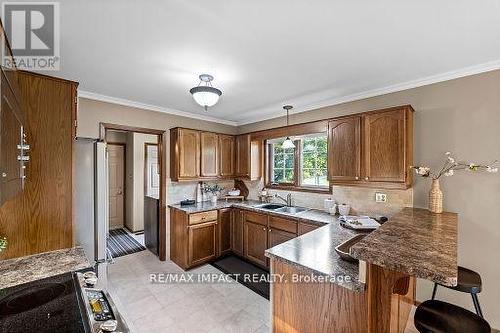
(47,305)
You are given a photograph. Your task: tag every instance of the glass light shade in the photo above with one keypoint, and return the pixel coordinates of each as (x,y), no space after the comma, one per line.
(288,143)
(206,96)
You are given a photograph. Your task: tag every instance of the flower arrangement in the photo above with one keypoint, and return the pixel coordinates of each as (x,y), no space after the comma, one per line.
(213,189)
(449,167)
(3,243)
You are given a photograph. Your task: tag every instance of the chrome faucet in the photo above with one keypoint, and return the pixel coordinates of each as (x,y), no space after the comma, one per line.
(288,199)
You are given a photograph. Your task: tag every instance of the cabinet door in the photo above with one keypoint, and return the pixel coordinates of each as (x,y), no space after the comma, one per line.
(226,155)
(237,231)
(10,137)
(277,237)
(384,146)
(189,153)
(344,149)
(209,157)
(255,242)
(202,245)
(224,231)
(304,228)
(242,155)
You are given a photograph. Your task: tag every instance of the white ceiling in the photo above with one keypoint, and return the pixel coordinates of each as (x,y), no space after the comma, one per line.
(266,53)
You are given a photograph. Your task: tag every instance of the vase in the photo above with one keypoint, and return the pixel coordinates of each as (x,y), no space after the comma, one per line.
(435,198)
(214,198)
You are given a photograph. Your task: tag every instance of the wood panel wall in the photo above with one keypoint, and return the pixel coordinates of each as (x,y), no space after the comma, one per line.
(40,218)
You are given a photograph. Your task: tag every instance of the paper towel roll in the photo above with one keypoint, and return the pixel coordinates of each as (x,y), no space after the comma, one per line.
(328,204)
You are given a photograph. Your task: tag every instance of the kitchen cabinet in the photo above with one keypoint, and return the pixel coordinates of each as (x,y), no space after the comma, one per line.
(209,144)
(43,211)
(281,230)
(372,149)
(224,230)
(248,157)
(387,143)
(255,242)
(185,154)
(237,221)
(304,227)
(277,237)
(11,136)
(344,147)
(202,243)
(226,155)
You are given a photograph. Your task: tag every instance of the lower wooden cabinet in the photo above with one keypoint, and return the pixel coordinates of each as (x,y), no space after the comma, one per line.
(224,231)
(277,237)
(255,242)
(305,227)
(202,243)
(237,221)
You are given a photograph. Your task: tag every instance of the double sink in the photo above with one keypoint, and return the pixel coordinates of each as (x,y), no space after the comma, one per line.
(282,208)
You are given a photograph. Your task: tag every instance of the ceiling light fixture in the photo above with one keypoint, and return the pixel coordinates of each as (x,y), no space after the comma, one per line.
(205,95)
(288,143)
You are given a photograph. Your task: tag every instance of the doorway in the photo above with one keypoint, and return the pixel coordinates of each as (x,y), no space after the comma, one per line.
(136,188)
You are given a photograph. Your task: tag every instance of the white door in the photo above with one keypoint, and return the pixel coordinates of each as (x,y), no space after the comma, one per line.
(116,171)
(152,171)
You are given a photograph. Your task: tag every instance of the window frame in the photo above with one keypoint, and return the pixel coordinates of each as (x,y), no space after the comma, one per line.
(295,185)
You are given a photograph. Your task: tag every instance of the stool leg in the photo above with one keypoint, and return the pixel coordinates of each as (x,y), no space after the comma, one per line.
(475,300)
(434,291)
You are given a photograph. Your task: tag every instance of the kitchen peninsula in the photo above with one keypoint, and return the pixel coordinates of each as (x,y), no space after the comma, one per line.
(413,243)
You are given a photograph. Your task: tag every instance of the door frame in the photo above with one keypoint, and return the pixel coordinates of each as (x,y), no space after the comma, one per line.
(162,223)
(124,177)
(146,144)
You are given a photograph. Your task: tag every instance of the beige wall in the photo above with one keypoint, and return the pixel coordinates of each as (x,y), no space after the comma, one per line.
(461,116)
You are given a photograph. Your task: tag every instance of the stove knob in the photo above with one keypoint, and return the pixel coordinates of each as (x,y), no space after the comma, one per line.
(109,326)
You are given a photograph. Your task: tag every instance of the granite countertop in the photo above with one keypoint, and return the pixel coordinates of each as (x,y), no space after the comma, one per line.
(416,242)
(315,252)
(311,215)
(38,266)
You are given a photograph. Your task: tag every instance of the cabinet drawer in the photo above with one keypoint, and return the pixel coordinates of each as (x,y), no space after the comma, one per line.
(283,224)
(203,217)
(256,218)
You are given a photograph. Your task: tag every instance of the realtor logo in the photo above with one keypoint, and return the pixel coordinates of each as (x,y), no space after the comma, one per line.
(32,29)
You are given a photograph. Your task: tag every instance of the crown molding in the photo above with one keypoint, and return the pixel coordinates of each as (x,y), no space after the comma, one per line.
(149,107)
(321,99)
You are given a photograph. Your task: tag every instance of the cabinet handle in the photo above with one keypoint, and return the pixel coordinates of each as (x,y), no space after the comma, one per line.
(24,147)
(264,229)
(4,175)
(23,158)
(356,178)
(269,230)
(366,178)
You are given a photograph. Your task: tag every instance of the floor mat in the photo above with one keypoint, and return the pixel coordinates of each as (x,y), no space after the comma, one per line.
(235,265)
(120,243)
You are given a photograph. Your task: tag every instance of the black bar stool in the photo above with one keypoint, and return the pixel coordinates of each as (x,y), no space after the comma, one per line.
(468,282)
(441,317)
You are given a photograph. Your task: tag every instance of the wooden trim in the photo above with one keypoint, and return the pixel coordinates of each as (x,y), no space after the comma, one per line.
(162,232)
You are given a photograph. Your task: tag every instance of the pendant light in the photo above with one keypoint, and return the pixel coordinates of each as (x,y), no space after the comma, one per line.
(288,143)
(204,94)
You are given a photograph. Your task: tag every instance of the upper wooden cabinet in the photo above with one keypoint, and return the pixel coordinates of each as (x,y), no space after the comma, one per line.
(372,149)
(209,154)
(248,157)
(185,154)
(226,155)
(385,142)
(344,158)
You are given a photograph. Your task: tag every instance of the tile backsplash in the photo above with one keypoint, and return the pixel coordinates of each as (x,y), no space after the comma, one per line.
(178,191)
(361,200)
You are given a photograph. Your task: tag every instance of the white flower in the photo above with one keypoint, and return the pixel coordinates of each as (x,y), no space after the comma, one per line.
(492,170)
(423,171)
(447,153)
(449,173)
(451,159)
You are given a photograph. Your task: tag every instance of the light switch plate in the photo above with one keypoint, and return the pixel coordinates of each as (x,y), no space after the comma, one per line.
(380,197)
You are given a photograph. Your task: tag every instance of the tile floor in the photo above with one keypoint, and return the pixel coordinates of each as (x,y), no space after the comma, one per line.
(148,307)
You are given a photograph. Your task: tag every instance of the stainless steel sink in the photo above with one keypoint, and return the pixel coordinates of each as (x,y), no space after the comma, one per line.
(270,206)
(291,210)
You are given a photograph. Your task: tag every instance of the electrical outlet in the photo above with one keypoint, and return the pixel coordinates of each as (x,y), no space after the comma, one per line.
(380,197)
